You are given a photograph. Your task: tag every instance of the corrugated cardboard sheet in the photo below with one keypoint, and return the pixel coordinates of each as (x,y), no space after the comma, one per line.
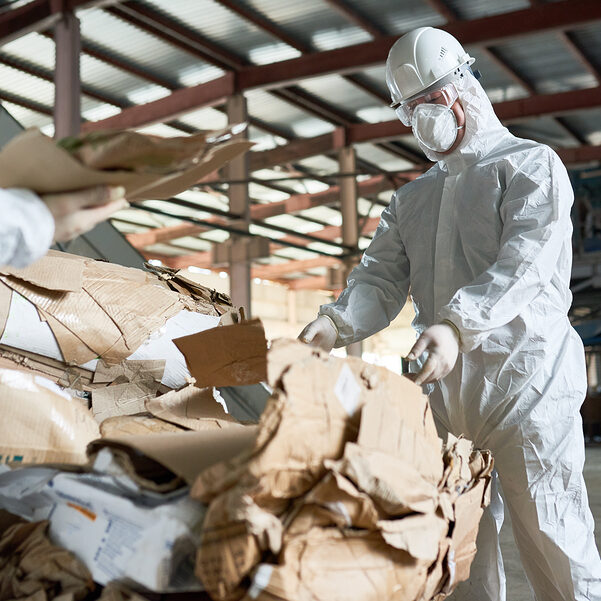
(97,309)
(346,491)
(40,423)
(33,160)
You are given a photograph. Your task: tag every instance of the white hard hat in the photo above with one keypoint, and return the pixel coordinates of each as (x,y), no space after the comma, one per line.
(420,59)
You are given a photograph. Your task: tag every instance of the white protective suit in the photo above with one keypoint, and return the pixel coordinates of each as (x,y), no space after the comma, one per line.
(483,239)
(26,227)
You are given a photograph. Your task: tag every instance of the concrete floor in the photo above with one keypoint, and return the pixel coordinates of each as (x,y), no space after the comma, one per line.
(517,585)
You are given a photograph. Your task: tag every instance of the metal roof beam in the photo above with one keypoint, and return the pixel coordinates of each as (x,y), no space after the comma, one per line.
(175,33)
(178,103)
(37,15)
(355,17)
(556,16)
(511,110)
(551,17)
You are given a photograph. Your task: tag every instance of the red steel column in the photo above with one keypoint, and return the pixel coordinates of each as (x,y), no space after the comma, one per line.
(350,218)
(67,84)
(237,170)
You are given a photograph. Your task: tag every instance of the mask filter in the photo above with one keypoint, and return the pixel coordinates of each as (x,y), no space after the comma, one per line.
(435,126)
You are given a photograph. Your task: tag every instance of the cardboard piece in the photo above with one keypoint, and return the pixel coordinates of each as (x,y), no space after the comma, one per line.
(122,399)
(128,425)
(346,488)
(32,160)
(40,422)
(336,566)
(117,530)
(32,568)
(191,407)
(117,313)
(185,454)
(226,356)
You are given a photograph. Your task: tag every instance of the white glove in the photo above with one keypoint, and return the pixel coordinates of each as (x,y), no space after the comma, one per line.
(442,343)
(320,332)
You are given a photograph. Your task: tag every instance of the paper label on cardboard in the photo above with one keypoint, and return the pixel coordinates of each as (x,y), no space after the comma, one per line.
(347,390)
(261,580)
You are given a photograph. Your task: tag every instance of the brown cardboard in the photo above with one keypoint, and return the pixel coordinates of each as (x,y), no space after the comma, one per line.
(122,399)
(131,370)
(330,565)
(40,425)
(131,425)
(191,407)
(113,312)
(73,377)
(227,355)
(32,160)
(394,484)
(346,492)
(186,454)
(33,569)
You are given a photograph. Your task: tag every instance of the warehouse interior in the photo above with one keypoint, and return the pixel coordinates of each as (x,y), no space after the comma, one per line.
(281,227)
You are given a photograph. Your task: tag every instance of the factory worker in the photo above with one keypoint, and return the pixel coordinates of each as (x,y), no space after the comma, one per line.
(29,224)
(483,242)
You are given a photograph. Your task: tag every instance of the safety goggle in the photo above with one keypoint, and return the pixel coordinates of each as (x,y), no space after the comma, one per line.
(446,96)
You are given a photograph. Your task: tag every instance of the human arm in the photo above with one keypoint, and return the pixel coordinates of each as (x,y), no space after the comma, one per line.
(377,288)
(31,223)
(535,212)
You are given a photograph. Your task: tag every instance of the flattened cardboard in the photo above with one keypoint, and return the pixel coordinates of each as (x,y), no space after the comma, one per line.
(131,370)
(32,160)
(227,355)
(110,316)
(122,399)
(186,454)
(132,425)
(58,271)
(191,407)
(40,423)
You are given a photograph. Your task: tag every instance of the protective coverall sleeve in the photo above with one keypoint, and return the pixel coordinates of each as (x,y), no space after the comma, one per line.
(535,211)
(26,227)
(377,288)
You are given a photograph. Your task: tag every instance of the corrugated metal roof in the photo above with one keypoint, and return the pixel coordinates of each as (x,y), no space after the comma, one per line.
(398,16)
(220,25)
(477,9)
(546,63)
(313,22)
(267,107)
(340,93)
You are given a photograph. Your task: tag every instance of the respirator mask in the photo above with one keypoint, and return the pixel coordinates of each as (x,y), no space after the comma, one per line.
(431,118)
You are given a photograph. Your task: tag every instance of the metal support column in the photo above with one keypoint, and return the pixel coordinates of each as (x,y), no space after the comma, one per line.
(67,84)
(350,218)
(239,200)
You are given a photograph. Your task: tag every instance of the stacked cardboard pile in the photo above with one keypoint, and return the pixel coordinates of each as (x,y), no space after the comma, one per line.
(103,333)
(342,490)
(345,493)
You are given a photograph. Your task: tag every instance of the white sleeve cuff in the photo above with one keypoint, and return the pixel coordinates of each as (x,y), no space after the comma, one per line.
(26,227)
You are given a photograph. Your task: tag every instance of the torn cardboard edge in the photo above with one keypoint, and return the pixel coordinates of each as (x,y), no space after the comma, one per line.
(232,355)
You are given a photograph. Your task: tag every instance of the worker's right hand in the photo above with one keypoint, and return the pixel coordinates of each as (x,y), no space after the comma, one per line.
(442,343)
(320,332)
(78,212)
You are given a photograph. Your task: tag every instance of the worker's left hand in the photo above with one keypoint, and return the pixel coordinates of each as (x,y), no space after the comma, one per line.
(442,344)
